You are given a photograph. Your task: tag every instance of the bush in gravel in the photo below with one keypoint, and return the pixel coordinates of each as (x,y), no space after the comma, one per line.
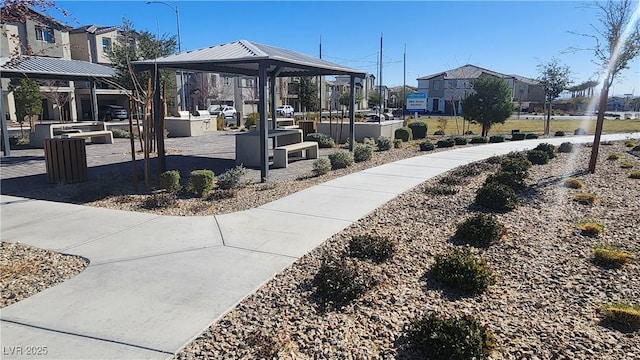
(418,129)
(518,136)
(538,157)
(451,179)
(579,131)
(340,159)
(445,143)
(373,247)
(362,152)
(496,196)
(623,315)
(590,229)
(321,166)
(565,147)
(202,181)
(584,198)
(469,170)
(494,159)
(440,338)
(531,136)
(610,256)
(629,143)
(478,140)
(170,180)
(462,271)
(548,148)
(636,148)
(519,167)
(635,175)
(369,141)
(439,132)
(480,230)
(496,139)
(573,183)
(441,190)
(505,178)
(397,143)
(427,146)
(323,140)
(559,133)
(404,134)
(339,281)
(384,143)
(120,134)
(627,165)
(222,194)
(232,178)
(160,200)
(613,157)
(458,140)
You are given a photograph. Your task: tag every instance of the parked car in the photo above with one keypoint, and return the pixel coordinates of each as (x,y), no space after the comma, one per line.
(286,110)
(225,110)
(110,112)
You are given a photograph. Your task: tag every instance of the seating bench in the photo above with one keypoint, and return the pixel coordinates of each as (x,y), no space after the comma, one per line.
(281,153)
(101,136)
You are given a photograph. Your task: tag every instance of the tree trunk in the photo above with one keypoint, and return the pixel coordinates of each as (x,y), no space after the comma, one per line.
(547,125)
(602,107)
(484,130)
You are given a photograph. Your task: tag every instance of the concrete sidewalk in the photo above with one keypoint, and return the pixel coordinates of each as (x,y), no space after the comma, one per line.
(155,282)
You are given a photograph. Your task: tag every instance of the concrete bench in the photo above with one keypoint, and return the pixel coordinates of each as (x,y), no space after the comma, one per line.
(100,137)
(281,153)
(50,131)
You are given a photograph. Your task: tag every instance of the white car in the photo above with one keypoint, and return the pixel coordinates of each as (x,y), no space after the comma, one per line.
(286,110)
(226,111)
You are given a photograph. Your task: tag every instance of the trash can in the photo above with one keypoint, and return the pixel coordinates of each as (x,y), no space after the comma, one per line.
(307,126)
(66,160)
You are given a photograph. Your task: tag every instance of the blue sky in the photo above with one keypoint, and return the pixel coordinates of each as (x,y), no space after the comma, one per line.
(510,37)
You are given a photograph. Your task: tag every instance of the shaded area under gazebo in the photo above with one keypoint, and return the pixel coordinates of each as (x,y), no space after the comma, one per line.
(250,59)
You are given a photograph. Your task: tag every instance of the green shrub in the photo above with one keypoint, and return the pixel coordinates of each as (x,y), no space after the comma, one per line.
(590,229)
(404,134)
(441,190)
(222,194)
(496,196)
(496,139)
(613,157)
(384,143)
(418,129)
(397,143)
(531,136)
(373,247)
(458,140)
(548,148)
(439,132)
(537,157)
(362,152)
(470,170)
(438,338)
(468,132)
(340,159)
(451,179)
(170,180)
(232,178)
(321,166)
(120,134)
(565,147)
(559,133)
(251,120)
(518,136)
(623,315)
(462,271)
(573,183)
(518,166)
(339,281)
(629,143)
(635,175)
(370,142)
(160,200)
(610,256)
(480,230)
(627,165)
(506,178)
(478,140)
(445,143)
(427,146)
(579,131)
(324,141)
(202,181)
(636,148)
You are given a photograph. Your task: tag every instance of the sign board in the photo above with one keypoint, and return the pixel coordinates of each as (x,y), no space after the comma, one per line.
(417,101)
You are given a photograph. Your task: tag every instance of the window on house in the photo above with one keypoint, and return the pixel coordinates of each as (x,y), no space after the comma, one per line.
(453,84)
(436,84)
(227,80)
(106,44)
(45,34)
(249,82)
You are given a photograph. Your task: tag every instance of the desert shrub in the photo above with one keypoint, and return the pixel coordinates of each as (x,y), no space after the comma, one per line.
(373,247)
(170,180)
(441,190)
(451,179)
(458,140)
(340,159)
(623,315)
(518,166)
(579,131)
(468,132)
(531,136)
(480,230)
(496,196)
(469,170)
(222,194)
(202,181)
(397,143)
(324,141)
(629,143)
(339,281)
(478,140)
(518,136)
(120,134)
(321,166)
(445,143)
(252,119)
(462,271)
(232,178)
(362,152)
(590,229)
(418,129)
(565,147)
(439,338)
(610,256)
(371,142)
(505,178)
(496,139)
(384,143)
(559,133)
(613,157)
(548,148)
(635,175)
(573,183)
(584,198)
(496,159)
(160,200)
(537,157)
(404,134)
(636,148)
(427,146)
(627,165)
(439,132)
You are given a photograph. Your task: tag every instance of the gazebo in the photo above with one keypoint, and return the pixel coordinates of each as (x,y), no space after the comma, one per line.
(247,58)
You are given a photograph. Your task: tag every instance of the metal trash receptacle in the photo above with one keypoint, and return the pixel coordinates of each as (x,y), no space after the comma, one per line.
(66,160)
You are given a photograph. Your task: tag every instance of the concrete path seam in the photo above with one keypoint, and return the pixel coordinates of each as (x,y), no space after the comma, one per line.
(215,217)
(261,252)
(315,216)
(147,256)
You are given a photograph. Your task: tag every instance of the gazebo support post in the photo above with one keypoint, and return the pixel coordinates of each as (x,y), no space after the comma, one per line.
(352,112)
(6,148)
(272,91)
(157,120)
(94,101)
(264,121)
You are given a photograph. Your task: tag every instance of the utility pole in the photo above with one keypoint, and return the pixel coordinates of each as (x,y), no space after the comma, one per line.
(380,85)
(320,89)
(404,81)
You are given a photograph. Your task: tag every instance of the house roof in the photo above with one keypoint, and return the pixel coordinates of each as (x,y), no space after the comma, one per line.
(93,29)
(464,72)
(243,57)
(18,13)
(40,67)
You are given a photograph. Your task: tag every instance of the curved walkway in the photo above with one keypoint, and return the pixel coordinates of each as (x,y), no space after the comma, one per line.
(156,282)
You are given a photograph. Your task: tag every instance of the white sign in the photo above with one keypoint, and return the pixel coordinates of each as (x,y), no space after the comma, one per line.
(417,101)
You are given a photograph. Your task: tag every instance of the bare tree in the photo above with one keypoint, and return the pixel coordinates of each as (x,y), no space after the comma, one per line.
(59,97)
(555,79)
(204,88)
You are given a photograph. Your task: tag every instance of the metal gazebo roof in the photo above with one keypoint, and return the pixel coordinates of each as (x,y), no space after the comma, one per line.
(40,67)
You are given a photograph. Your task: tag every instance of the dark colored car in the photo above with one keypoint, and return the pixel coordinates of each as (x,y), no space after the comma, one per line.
(110,112)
